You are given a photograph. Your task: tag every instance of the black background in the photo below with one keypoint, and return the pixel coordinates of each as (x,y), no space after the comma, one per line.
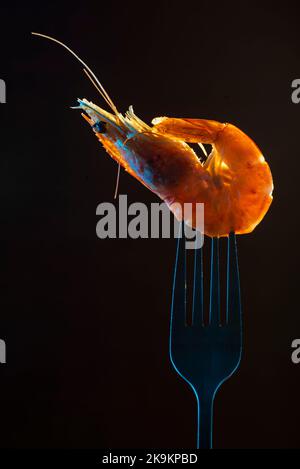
(86,321)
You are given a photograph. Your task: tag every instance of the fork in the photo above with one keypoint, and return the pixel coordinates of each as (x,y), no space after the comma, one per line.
(206,355)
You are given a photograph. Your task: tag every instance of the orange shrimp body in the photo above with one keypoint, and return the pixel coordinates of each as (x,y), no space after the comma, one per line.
(234,183)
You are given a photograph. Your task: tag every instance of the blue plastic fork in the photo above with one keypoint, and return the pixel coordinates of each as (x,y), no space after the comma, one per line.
(205,355)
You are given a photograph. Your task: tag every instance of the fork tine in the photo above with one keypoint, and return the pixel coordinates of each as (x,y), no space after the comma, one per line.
(179,285)
(233,300)
(214,304)
(198,305)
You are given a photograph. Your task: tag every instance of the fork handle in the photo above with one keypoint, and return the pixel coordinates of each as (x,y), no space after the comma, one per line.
(205,422)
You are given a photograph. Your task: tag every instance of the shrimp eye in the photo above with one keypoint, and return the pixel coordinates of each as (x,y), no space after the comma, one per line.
(100,127)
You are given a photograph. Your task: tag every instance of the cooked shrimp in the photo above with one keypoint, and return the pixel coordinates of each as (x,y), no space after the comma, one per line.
(234,182)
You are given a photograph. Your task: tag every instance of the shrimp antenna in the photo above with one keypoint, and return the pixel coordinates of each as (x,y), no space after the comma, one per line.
(117,181)
(99,86)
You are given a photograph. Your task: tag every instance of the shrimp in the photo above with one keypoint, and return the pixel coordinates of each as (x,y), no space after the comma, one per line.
(234,182)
